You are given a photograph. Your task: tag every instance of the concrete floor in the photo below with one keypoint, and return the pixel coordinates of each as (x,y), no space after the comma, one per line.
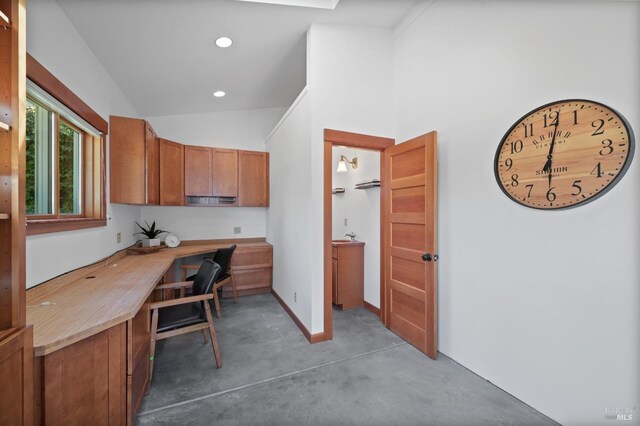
(273,376)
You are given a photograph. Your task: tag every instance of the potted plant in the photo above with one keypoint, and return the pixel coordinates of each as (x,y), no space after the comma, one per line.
(151,234)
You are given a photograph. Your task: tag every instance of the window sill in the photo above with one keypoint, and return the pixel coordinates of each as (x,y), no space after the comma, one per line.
(45,226)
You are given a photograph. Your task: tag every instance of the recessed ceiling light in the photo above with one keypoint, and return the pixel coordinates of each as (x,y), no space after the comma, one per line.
(219,94)
(224,42)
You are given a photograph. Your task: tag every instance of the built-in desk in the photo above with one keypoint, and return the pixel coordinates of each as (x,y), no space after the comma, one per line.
(91,331)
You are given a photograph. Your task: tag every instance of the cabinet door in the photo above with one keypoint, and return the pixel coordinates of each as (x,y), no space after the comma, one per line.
(334,281)
(253,179)
(224,172)
(197,170)
(152,166)
(16,379)
(85,383)
(127,160)
(171,173)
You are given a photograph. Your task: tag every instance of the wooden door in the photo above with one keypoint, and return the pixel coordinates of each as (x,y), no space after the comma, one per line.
(197,171)
(171,173)
(410,203)
(224,173)
(253,178)
(152,166)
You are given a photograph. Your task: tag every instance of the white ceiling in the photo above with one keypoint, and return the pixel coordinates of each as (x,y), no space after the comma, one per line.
(162,52)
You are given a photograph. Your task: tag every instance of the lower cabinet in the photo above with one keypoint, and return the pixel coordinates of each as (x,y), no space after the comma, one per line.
(252,270)
(348,275)
(100,380)
(16,381)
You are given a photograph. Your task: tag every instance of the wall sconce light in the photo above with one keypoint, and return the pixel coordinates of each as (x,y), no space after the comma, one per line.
(342,164)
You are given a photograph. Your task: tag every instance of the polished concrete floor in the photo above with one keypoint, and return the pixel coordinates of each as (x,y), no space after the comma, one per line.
(272,376)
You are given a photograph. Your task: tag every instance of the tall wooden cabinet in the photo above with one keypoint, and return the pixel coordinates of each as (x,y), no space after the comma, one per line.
(16,338)
(134,162)
(171,173)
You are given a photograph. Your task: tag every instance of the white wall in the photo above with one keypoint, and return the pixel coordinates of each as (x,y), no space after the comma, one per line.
(289,215)
(246,130)
(349,76)
(542,303)
(361,208)
(53,41)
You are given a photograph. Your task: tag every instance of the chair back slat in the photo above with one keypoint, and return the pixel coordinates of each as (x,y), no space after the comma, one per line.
(223,258)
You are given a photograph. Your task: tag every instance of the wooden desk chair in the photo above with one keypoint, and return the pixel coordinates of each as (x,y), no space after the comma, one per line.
(223,258)
(188,314)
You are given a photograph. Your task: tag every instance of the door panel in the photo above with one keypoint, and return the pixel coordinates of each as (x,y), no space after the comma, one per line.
(171,173)
(225,172)
(410,194)
(197,171)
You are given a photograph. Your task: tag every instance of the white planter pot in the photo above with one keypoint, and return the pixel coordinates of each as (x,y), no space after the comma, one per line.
(148,242)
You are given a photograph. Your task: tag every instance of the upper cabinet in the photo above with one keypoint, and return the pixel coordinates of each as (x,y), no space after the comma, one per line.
(197,171)
(171,173)
(253,179)
(224,174)
(134,162)
(147,170)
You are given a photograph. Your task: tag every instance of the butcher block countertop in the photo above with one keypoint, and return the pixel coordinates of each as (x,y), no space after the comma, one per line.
(85,302)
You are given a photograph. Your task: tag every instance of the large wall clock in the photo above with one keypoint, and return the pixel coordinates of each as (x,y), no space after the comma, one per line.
(564,154)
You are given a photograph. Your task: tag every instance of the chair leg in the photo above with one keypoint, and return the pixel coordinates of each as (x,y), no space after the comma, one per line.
(204,335)
(154,332)
(216,301)
(214,338)
(233,287)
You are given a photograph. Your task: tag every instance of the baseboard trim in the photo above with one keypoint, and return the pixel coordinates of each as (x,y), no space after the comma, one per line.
(312,338)
(372,308)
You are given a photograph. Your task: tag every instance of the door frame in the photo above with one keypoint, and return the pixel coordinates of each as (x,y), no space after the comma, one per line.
(349,140)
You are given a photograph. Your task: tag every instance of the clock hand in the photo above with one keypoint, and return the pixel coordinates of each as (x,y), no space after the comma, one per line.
(547,166)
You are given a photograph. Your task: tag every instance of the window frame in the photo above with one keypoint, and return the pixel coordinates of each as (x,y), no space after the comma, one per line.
(93,165)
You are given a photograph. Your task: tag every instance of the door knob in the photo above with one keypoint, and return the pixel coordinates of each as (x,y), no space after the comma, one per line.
(426,257)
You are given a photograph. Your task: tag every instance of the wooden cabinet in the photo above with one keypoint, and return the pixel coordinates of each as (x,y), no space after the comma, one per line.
(253,179)
(224,175)
(85,383)
(134,162)
(99,380)
(138,366)
(348,274)
(171,173)
(16,380)
(252,270)
(197,171)
(16,339)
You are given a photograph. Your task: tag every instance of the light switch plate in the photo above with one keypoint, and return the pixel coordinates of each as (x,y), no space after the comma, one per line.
(119,237)
(237,229)
(346,222)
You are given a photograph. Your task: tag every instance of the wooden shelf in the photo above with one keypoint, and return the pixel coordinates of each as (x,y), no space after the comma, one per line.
(337,191)
(5,126)
(5,216)
(4,21)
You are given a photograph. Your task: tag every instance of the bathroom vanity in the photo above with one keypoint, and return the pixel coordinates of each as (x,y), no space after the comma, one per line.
(347,273)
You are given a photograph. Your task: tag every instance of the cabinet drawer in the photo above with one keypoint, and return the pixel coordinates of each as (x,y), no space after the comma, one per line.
(244,258)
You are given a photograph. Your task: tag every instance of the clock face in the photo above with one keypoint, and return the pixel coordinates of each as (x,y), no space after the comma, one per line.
(564,154)
(172,240)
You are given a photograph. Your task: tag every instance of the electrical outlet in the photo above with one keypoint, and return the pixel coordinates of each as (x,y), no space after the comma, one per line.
(237,230)
(119,237)
(346,222)
(295,296)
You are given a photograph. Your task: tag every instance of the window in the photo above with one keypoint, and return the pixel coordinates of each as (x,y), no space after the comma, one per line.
(65,157)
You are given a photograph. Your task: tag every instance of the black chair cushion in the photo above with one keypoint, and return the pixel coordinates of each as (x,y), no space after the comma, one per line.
(179,316)
(223,258)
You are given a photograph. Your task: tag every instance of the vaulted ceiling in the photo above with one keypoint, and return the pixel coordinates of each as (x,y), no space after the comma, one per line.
(163,55)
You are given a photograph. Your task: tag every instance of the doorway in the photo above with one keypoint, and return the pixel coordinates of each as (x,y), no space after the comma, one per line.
(408,249)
